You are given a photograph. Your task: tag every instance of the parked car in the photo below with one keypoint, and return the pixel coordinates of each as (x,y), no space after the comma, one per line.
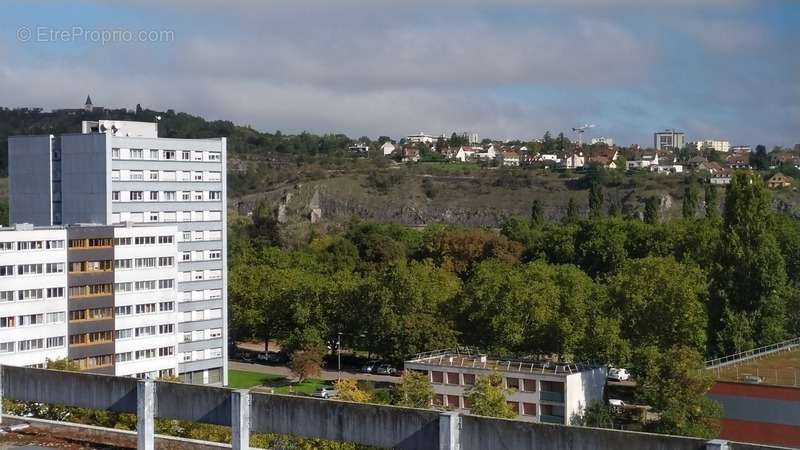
(370,367)
(324,392)
(618,374)
(386,369)
(278,357)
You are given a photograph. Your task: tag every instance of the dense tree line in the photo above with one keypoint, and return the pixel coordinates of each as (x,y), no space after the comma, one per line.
(242,140)
(608,288)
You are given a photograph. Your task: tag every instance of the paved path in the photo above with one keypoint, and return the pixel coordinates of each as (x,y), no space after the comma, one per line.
(325,375)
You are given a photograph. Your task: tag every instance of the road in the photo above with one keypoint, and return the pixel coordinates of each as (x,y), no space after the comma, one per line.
(325,374)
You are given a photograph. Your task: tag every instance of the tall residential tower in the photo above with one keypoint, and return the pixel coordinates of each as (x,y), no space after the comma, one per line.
(120,171)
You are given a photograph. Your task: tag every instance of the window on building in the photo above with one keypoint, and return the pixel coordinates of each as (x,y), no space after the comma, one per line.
(169,196)
(165,239)
(136,175)
(214,254)
(56,292)
(186,196)
(469,379)
(215,195)
(153,196)
(29,294)
(137,153)
(169,154)
(168,175)
(214,156)
(55,342)
(7,347)
(136,196)
(54,268)
(198,196)
(529,409)
(437,377)
(7,296)
(512,383)
(8,322)
(186,155)
(452,378)
(6,271)
(153,154)
(115,196)
(166,329)
(123,310)
(114,153)
(126,333)
(528,385)
(152,217)
(115,175)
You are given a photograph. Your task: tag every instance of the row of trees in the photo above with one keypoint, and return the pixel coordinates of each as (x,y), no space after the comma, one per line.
(608,288)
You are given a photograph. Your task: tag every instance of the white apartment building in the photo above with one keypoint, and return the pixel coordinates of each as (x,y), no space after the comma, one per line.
(145,302)
(118,171)
(33,295)
(603,140)
(103,297)
(544,392)
(717,146)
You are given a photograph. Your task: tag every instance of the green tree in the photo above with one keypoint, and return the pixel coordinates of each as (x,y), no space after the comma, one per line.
(407,306)
(661,302)
(595,199)
(675,384)
(751,274)
(537,212)
(690,200)
(414,390)
(712,201)
(596,415)
(652,205)
(571,215)
(487,397)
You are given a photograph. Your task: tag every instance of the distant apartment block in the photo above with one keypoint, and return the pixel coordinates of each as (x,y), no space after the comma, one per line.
(717,146)
(741,149)
(603,140)
(540,391)
(422,138)
(668,140)
(103,297)
(119,171)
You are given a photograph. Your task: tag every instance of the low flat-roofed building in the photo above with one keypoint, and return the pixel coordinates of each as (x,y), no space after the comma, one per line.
(759,391)
(541,391)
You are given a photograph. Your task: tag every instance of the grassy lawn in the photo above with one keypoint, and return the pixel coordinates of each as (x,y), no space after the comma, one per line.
(307,387)
(240,379)
(781,368)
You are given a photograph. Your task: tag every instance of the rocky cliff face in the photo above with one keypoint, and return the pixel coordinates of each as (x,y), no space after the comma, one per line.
(423,200)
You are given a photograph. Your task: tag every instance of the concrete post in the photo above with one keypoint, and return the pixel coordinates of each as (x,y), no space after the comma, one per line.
(145,415)
(240,419)
(449,431)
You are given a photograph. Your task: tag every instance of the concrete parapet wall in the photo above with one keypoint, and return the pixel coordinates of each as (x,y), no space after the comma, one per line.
(70,388)
(479,433)
(374,425)
(379,426)
(193,403)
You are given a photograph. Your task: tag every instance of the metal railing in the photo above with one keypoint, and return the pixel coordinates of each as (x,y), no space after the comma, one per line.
(754,353)
(465,357)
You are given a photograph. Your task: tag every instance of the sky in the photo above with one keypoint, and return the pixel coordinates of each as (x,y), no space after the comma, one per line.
(506,69)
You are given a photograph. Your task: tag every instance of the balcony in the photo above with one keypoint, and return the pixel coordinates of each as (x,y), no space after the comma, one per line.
(549,396)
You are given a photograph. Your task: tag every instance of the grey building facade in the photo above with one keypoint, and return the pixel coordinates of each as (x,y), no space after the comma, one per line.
(123,172)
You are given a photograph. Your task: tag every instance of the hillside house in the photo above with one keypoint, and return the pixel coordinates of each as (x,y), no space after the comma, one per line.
(779,181)
(387,148)
(509,158)
(573,160)
(410,154)
(738,160)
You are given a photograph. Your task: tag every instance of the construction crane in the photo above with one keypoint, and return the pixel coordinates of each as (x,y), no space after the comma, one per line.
(579,132)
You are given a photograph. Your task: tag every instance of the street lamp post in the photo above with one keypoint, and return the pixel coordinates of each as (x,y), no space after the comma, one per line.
(339,351)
